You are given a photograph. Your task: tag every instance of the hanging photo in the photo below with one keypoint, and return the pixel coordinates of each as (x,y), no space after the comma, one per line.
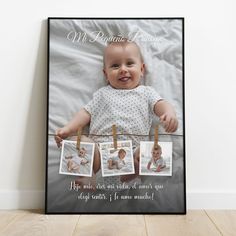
(117,161)
(76,161)
(126,73)
(156,160)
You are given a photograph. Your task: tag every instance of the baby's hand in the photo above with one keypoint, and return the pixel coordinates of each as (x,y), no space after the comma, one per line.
(170,122)
(61,134)
(84,162)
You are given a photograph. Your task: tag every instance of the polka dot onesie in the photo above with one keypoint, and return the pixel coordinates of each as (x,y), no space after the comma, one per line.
(130,110)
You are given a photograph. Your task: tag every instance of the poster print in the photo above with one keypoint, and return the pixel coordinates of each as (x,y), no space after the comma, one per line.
(123,72)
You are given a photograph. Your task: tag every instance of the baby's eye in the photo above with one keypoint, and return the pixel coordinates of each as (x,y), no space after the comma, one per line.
(130,63)
(115,65)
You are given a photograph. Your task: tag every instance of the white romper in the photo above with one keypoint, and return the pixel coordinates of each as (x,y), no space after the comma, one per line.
(130,110)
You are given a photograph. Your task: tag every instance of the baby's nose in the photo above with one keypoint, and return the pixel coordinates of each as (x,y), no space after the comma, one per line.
(123,68)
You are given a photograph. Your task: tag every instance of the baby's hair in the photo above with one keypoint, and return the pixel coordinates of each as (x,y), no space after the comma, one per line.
(121,150)
(156,148)
(120,40)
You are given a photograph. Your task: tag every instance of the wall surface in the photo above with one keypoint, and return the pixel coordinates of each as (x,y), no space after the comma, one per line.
(210,36)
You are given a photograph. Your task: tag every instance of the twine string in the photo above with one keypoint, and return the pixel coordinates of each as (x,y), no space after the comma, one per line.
(121,134)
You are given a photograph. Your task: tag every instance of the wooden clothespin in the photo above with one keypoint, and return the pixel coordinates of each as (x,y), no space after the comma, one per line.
(79,133)
(156,137)
(114,134)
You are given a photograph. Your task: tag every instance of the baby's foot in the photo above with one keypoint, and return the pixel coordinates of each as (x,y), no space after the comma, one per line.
(69,167)
(158,169)
(127,178)
(86,183)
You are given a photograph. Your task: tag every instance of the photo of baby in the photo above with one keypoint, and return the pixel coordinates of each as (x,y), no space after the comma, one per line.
(156,160)
(117,161)
(76,161)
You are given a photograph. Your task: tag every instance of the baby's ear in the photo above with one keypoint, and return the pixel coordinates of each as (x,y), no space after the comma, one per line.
(105,73)
(143,69)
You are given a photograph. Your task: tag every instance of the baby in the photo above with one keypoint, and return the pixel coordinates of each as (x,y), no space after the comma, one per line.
(75,161)
(157,160)
(124,102)
(117,162)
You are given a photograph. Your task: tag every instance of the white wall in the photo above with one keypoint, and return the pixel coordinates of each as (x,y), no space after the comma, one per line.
(210,36)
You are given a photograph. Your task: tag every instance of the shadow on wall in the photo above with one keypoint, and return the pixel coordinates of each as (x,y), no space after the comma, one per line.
(32,169)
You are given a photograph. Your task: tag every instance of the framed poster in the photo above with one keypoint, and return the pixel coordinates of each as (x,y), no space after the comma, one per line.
(126,73)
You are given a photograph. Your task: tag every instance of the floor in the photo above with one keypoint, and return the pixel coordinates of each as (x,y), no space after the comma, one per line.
(196,222)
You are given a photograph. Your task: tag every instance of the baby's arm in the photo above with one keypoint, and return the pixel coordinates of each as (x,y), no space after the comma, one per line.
(167,115)
(80,120)
(149,165)
(85,161)
(158,169)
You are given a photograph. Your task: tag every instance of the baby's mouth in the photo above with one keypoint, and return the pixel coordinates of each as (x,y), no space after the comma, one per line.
(124,79)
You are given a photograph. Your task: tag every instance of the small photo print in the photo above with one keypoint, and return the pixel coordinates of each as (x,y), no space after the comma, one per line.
(74,161)
(155,161)
(117,161)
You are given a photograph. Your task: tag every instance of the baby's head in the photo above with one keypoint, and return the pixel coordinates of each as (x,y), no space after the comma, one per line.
(123,64)
(82,152)
(156,152)
(121,154)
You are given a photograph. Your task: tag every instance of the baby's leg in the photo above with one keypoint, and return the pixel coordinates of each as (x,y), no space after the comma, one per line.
(96,161)
(87,181)
(118,167)
(72,166)
(127,178)
(69,165)
(75,167)
(110,164)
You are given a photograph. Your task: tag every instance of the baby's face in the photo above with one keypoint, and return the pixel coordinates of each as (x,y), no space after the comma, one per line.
(122,155)
(81,153)
(123,67)
(156,154)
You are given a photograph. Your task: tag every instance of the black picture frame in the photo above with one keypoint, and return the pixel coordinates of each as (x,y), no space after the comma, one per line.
(60,200)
